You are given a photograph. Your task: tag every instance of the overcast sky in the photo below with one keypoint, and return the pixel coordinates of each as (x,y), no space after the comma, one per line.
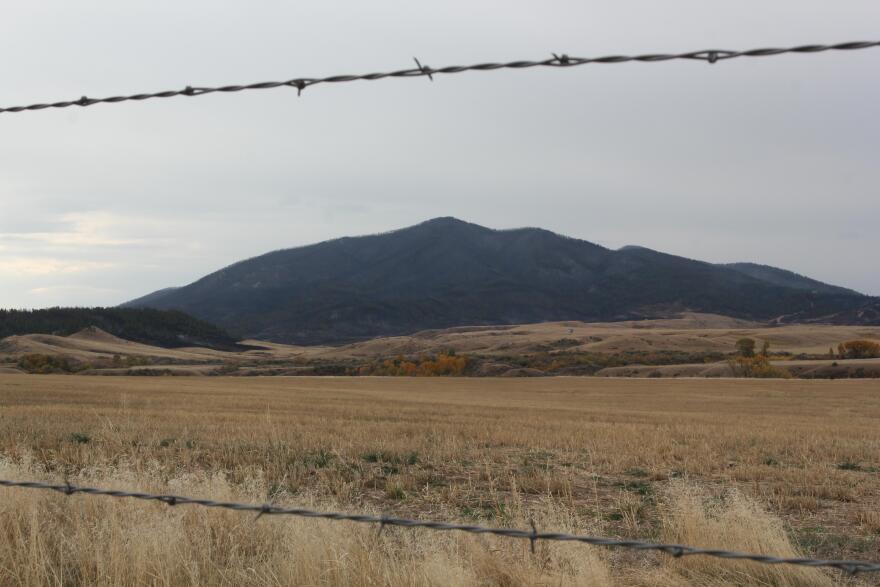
(773,160)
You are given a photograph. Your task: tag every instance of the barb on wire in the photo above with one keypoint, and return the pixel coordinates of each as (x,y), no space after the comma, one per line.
(676,550)
(424,69)
(561,60)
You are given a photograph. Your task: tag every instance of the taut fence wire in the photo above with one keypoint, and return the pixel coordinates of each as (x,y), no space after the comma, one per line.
(677,550)
(557,60)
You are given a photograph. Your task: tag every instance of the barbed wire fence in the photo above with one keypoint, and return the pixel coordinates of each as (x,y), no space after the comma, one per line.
(850,567)
(557,60)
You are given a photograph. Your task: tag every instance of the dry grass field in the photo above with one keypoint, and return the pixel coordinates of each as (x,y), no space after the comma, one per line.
(782,467)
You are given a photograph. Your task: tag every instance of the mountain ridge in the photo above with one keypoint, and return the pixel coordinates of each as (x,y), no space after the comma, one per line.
(786,277)
(446,272)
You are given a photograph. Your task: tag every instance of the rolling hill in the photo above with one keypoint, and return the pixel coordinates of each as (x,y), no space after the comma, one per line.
(446,272)
(690,345)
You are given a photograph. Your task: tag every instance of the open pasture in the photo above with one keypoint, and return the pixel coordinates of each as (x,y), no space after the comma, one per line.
(781,467)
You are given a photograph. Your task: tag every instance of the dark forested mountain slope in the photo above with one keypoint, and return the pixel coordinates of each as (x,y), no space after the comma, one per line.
(148,326)
(787,278)
(445,272)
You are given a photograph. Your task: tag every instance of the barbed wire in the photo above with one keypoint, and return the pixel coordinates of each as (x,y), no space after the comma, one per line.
(533,535)
(558,60)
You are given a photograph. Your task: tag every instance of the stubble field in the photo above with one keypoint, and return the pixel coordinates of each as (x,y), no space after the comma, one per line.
(781,467)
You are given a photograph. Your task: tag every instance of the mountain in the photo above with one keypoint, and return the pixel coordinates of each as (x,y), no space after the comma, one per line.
(163,328)
(146,300)
(446,272)
(786,278)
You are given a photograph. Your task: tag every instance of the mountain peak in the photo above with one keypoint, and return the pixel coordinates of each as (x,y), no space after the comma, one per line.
(449,223)
(445,221)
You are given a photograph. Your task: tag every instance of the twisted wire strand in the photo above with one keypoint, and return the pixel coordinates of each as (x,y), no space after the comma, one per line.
(558,60)
(676,550)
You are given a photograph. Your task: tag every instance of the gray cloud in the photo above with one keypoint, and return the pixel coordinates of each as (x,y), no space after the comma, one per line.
(771,160)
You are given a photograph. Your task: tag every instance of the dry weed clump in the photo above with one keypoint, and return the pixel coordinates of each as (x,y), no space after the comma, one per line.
(777,463)
(869,520)
(732,522)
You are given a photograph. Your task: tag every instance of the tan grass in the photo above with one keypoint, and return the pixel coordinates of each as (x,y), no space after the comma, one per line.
(691,516)
(53,540)
(576,455)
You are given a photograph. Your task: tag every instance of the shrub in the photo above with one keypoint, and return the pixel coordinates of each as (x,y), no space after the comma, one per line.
(746,347)
(80,438)
(859,349)
(37,363)
(757,367)
(441,365)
